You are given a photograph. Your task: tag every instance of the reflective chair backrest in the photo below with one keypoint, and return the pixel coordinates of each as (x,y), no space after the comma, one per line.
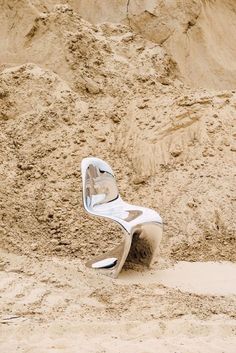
(99,185)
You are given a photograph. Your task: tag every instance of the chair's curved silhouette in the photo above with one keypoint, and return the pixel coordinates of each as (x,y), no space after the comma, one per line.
(142,226)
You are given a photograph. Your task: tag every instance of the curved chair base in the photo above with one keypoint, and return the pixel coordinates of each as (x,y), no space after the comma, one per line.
(142,226)
(140,248)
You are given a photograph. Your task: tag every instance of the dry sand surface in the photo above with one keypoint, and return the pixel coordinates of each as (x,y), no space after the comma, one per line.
(149,86)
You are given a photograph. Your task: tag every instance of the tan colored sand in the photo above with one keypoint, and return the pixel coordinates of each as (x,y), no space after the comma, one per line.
(219,277)
(56,304)
(126,87)
(192,32)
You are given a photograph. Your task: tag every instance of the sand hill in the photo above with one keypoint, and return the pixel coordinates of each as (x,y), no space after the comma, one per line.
(149,86)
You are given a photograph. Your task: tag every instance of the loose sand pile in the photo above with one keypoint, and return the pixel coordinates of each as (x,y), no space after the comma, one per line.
(150,87)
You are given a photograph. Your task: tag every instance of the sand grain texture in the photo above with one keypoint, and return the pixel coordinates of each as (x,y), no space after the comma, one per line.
(149,86)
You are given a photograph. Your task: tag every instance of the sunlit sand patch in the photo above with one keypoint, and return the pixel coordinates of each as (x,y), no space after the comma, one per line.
(210,278)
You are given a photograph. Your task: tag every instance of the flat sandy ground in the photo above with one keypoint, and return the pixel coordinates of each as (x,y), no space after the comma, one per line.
(150,87)
(59,306)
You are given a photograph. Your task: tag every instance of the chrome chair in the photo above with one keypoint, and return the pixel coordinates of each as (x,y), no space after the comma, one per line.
(142,226)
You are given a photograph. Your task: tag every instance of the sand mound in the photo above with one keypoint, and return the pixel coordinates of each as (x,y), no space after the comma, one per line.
(199,35)
(170,137)
(128,91)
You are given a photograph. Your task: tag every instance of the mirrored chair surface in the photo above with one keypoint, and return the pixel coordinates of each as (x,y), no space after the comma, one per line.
(142,227)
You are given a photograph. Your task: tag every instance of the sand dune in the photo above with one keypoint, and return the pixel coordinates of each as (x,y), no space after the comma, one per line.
(149,86)
(199,35)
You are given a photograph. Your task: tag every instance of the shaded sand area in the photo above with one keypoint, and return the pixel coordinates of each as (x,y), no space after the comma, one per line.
(150,87)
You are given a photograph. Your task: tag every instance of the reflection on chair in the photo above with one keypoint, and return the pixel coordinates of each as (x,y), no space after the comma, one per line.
(142,226)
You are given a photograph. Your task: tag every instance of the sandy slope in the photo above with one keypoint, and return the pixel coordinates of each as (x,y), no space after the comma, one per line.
(129,92)
(199,35)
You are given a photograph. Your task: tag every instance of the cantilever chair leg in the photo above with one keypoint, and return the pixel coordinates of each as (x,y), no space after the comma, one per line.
(142,226)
